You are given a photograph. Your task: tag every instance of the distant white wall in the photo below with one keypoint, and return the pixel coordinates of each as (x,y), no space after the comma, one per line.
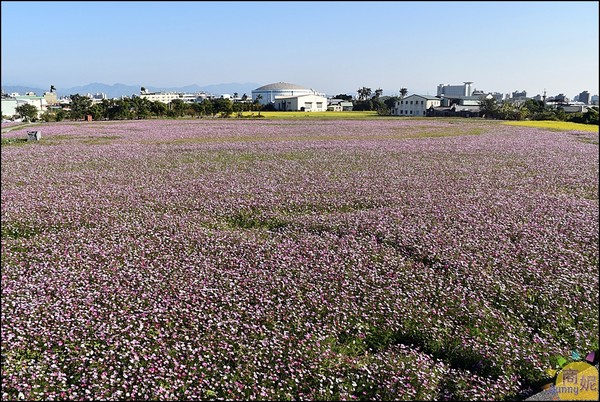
(310,103)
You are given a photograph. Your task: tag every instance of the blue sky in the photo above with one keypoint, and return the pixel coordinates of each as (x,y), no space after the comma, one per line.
(333,47)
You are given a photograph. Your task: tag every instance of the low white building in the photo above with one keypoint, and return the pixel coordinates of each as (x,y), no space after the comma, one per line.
(304,103)
(339,105)
(38,101)
(415,105)
(268,93)
(168,97)
(9,105)
(575,108)
(464,100)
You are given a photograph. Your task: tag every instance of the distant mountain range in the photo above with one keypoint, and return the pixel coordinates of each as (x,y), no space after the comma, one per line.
(118,90)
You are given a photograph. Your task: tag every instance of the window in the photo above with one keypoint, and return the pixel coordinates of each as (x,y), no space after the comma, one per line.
(411,112)
(421,102)
(319,105)
(411,102)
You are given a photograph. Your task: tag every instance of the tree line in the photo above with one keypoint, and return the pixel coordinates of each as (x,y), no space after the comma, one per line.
(139,108)
(367,100)
(532,109)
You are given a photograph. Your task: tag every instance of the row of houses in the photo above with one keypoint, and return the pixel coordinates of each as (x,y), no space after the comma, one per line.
(434,106)
(458,106)
(451,100)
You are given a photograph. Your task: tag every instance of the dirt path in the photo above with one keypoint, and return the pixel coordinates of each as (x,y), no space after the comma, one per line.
(19,126)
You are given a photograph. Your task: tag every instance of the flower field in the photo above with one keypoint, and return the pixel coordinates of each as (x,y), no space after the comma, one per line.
(228,259)
(555,125)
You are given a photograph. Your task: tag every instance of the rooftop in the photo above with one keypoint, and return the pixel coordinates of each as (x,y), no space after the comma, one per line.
(280,86)
(427,97)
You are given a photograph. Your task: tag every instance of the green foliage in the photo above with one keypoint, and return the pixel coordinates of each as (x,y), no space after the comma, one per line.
(238,108)
(222,106)
(489,108)
(364,93)
(97,111)
(253,219)
(367,102)
(589,117)
(534,106)
(560,114)
(48,116)
(363,105)
(196,109)
(390,102)
(546,114)
(344,97)
(140,107)
(384,111)
(158,108)
(16,230)
(12,141)
(119,109)
(179,107)
(27,111)
(512,111)
(378,105)
(208,107)
(79,106)
(268,107)
(60,115)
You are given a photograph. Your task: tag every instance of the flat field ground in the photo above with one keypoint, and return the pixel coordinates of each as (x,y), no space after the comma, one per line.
(289,259)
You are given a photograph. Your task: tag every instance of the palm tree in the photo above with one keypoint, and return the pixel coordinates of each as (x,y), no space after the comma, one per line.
(364,93)
(257,102)
(403,92)
(488,107)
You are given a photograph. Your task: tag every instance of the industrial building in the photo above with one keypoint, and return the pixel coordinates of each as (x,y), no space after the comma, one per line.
(451,91)
(269,92)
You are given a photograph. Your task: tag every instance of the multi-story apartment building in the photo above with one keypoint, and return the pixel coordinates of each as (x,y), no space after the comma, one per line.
(415,105)
(167,97)
(584,97)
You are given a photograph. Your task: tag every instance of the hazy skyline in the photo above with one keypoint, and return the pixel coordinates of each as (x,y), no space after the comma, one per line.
(332,47)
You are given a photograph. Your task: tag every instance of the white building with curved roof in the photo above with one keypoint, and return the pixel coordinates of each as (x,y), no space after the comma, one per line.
(283,89)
